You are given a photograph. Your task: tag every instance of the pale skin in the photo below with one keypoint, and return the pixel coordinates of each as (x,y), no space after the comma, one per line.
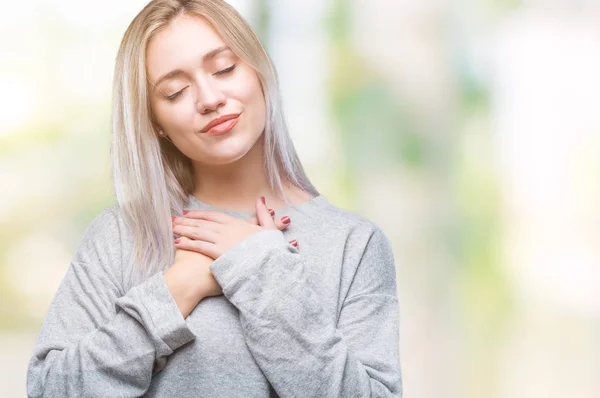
(210,81)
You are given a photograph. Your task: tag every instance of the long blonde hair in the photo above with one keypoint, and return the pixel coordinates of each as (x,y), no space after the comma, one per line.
(152,178)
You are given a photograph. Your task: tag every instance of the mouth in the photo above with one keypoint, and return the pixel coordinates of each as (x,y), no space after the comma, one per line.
(221,124)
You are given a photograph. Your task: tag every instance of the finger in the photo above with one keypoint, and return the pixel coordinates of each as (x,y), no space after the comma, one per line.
(194,222)
(209,215)
(294,243)
(262,213)
(196,233)
(279,224)
(282,223)
(206,248)
(254,220)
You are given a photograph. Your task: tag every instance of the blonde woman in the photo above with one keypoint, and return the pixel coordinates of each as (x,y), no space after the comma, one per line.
(245,302)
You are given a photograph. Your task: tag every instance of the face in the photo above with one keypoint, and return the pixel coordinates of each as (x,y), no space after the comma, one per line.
(195,79)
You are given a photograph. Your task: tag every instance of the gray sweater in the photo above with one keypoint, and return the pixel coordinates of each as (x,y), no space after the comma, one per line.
(318,321)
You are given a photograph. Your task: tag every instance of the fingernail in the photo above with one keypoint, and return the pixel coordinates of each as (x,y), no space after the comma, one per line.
(262,199)
(177,240)
(272,212)
(173,218)
(186,212)
(294,243)
(285,220)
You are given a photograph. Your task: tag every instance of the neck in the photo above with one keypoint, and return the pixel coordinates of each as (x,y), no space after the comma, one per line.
(237,185)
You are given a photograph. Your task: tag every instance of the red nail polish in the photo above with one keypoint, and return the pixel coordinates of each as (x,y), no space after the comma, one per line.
(285,220)
(186,212)
(271,212)
(294,243)
(173,218)
(262,199)
(177,240)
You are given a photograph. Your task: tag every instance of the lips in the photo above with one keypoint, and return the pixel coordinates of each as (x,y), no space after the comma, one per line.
(218,121)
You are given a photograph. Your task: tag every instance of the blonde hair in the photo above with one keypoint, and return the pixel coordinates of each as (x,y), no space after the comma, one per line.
(152,178)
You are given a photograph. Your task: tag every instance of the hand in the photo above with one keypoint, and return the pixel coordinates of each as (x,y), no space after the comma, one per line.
(189,280)
(213,233)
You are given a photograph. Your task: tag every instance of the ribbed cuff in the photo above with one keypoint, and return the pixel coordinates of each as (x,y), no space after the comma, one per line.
(158,312)
(237,265)
(170,325)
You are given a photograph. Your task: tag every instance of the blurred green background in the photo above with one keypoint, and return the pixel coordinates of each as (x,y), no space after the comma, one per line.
(467,130)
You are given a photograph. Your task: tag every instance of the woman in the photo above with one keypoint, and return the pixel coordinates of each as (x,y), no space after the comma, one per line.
(232,307)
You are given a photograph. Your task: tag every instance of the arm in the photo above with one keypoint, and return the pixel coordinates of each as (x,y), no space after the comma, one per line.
(97,341)
(301,350)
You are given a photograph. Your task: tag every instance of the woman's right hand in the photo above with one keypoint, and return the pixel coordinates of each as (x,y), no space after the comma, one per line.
(189,278)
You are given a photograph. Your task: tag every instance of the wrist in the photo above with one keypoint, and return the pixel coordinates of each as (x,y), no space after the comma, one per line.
(185,292)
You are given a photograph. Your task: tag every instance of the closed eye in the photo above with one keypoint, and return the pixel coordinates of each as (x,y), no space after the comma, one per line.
(226,70)
(175,95)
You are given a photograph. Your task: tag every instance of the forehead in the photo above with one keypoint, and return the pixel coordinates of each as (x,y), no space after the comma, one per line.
(182,42)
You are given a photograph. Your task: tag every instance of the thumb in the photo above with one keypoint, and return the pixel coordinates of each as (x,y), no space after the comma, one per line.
(262,213)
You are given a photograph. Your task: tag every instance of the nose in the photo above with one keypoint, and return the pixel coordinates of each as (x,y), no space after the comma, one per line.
(209,96)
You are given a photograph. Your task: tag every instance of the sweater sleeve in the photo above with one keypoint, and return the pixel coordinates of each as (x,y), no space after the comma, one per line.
(96,341)
(302,351)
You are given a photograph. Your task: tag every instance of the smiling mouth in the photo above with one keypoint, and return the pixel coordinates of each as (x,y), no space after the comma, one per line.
(220,122)
(223,127)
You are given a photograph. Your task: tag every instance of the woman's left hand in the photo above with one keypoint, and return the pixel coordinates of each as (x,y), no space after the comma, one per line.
(213,233)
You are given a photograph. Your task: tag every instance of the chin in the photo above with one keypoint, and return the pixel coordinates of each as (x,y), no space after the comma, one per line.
(223,160)
(220,151)
(226,154)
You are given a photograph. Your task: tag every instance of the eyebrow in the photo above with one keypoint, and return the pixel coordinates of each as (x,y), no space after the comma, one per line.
(207,57)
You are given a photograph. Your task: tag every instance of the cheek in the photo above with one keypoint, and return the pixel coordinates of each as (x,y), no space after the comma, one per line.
(247,87)
(172,117)
(261,109)
(254,99)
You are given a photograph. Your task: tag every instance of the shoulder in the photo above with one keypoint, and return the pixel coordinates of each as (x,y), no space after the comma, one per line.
(104,221)
(100,249)
(104,228)
(360,232)
(332,215)
(368,252)
(109,223)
